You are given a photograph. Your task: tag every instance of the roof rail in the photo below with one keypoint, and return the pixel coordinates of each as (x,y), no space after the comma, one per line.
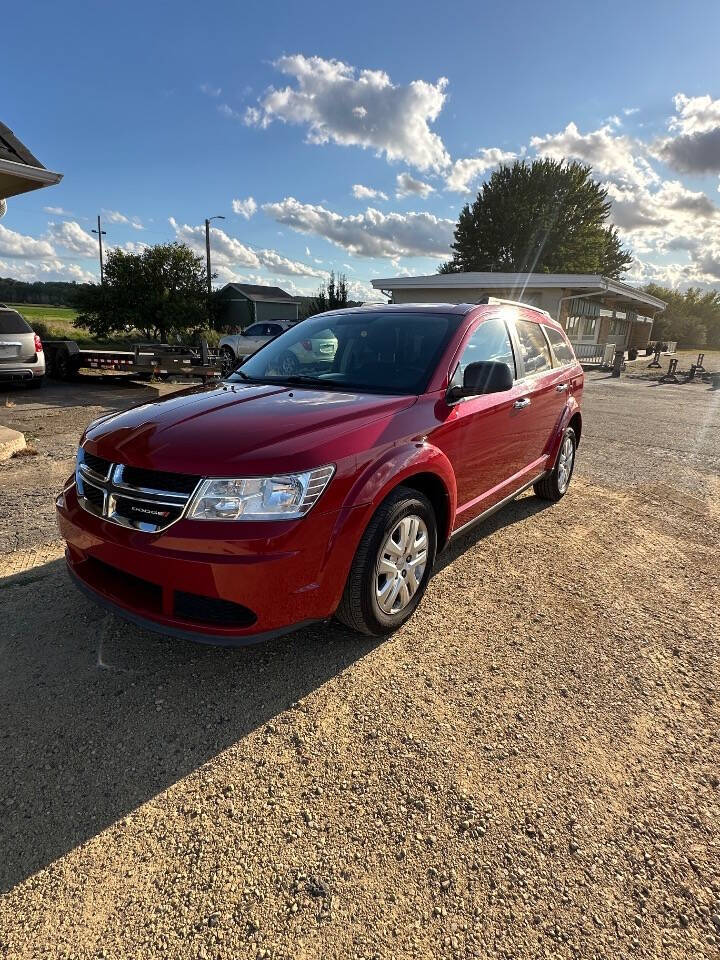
(510,303)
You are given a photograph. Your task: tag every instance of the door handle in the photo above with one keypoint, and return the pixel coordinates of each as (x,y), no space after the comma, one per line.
(561,387)
(521,404)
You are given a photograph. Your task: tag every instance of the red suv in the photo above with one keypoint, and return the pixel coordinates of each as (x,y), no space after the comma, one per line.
(241,511)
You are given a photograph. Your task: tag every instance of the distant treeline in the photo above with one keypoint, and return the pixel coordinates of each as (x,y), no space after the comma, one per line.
(56,293)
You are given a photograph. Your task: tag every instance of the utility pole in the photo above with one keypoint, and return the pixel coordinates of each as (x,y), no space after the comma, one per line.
(100,234)
(207,250)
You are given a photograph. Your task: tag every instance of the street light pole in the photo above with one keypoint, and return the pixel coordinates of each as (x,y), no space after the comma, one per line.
(207,250)
(100,234)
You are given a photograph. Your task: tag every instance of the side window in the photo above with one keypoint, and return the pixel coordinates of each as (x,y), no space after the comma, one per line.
(560,347)
(254,330)
(273,329)
(490,341)
(533,346)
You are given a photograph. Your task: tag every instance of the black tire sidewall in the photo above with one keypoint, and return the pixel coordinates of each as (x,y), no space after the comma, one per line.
(380,621)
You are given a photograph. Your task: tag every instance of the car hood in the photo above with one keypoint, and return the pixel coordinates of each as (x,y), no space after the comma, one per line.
(234,428)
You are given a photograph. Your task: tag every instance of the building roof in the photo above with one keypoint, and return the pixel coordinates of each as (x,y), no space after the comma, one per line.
(254,292)
(582,283)
(20,170)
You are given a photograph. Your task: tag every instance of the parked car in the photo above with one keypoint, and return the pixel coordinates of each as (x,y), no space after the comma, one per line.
(318,349)
(21,351)
(246,509)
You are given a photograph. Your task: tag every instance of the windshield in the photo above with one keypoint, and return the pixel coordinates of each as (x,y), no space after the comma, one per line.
(374,351)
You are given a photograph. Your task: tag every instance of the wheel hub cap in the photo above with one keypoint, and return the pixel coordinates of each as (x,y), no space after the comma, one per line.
(565,464)
(401,564)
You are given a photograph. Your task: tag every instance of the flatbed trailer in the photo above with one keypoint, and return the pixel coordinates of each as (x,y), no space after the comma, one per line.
(64,359)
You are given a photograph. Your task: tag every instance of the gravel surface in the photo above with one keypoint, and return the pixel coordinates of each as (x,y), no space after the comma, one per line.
(528,769)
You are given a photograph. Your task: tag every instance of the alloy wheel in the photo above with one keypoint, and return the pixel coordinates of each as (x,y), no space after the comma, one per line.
(401,564)
(565,464)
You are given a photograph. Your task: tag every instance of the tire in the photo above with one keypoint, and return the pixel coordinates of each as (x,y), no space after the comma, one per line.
(36,383)
(555,485)
(289,364)
(228,361)
(360,608)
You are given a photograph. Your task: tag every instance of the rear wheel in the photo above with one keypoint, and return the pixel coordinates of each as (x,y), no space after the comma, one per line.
(554,486)
(392,565)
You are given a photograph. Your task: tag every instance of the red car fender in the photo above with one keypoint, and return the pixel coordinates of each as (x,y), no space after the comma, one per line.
(370,489)
(571,408)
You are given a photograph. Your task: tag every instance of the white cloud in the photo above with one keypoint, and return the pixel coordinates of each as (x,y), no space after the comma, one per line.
(229,252)
(57,211)
(361,192)
(114,216)
(70,234)
(209,90)
(407,185)
(51,269)
(611,155)
(339,104)
(369,234)
(245,208)
(14,244)
(629,111)
(696,146)
(464,172)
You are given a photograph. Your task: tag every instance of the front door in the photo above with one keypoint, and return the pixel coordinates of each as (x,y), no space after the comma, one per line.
(479,435)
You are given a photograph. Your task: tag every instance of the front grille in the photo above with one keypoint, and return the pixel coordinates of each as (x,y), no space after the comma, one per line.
(94,495)
(146,511)
(147,500)
(211,610)
(97,464)
(159,480)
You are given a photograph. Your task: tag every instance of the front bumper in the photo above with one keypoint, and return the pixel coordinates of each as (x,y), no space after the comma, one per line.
(191,580)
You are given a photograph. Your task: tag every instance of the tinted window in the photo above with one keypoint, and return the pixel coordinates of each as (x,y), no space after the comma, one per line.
(273,329)
(561,348)
(380,352)
(533,346)
(490,341)
(255,330)
(11,322)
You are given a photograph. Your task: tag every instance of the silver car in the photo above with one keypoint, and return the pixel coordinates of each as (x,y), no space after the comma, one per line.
(21,351)
(236,346)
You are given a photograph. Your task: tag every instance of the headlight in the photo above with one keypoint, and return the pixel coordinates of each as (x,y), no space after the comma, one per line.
(260,498)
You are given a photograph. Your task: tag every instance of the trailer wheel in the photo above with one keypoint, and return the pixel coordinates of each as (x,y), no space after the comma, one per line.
(61,365)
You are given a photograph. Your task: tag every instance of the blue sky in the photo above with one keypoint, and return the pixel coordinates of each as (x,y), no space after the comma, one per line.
(350,136)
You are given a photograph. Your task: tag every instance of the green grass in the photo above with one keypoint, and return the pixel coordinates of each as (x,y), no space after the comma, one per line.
(56,323)
(40,311)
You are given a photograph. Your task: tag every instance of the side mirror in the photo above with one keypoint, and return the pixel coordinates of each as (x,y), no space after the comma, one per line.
(485,376)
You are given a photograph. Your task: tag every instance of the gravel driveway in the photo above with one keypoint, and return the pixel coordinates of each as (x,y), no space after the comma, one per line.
(528,769)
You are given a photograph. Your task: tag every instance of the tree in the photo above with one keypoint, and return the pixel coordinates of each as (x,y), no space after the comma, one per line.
(543,216)
(161,292)
(330,296)
(692,317)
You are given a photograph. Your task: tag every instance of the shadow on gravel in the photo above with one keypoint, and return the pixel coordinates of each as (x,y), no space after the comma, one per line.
(525,506)
(99,716)
(113,392)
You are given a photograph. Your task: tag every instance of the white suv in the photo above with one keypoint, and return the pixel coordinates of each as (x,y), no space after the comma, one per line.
(21,351)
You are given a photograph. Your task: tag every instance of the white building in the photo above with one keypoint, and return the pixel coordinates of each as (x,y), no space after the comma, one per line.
(594,310)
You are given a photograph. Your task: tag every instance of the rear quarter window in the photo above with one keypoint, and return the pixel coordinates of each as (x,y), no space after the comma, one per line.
(562,351)
(12,322)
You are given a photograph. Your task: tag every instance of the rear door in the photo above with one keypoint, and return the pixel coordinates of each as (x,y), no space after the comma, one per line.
(544,389)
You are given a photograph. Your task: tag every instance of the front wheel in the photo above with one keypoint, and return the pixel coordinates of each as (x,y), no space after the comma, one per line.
(554,486)
(392,565)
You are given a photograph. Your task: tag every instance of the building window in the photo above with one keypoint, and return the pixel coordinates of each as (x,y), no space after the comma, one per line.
(618,328)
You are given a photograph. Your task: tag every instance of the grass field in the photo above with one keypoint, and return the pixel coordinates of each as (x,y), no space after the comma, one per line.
(56,323)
